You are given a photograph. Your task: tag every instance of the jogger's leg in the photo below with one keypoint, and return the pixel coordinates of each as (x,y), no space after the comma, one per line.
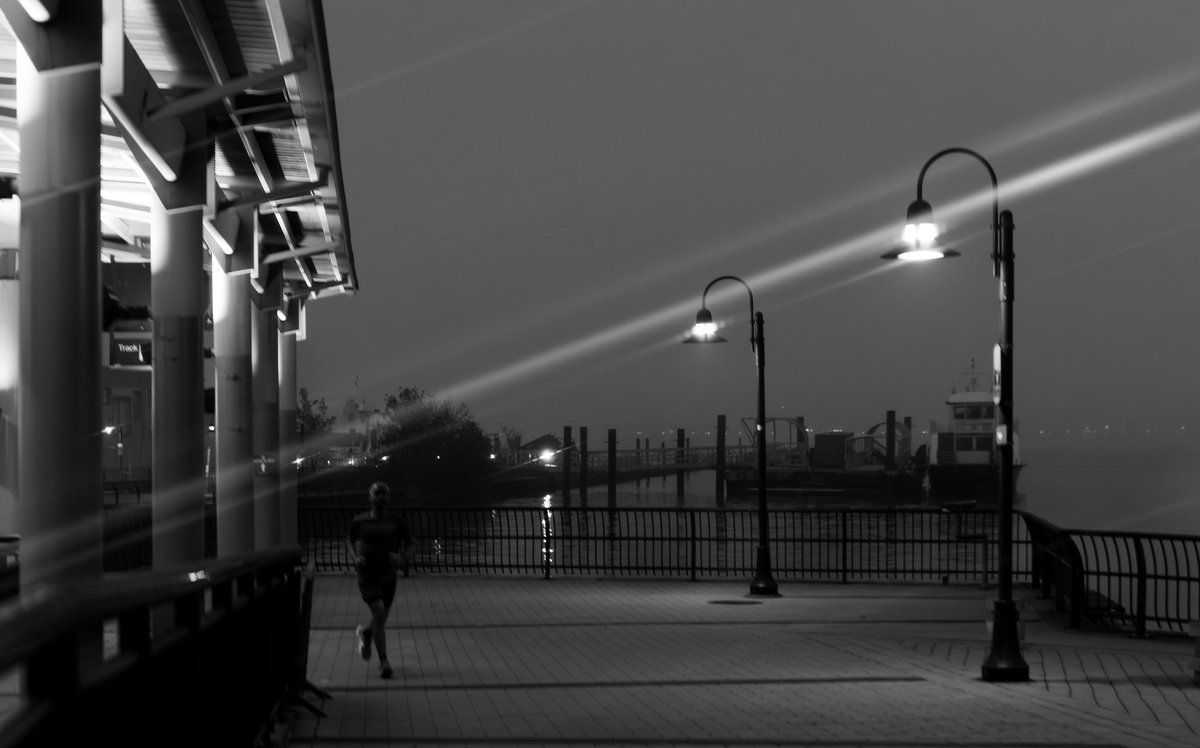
(379,613)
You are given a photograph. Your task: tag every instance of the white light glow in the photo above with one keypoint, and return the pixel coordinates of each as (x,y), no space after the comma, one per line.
(704,330)
(919,234)
(919,255)
(547,456)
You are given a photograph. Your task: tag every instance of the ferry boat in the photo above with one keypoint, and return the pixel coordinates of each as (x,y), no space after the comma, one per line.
(834,462)
(964,461)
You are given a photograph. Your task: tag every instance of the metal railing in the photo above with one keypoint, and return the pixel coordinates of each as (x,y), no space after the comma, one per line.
(199,656)
(1137,581)
(1143,582)
(849,545)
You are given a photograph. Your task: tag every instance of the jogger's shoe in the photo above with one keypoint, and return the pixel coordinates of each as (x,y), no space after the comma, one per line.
(364,642)
(385,670)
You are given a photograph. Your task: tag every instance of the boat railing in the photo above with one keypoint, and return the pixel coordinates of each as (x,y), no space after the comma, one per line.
(867,450)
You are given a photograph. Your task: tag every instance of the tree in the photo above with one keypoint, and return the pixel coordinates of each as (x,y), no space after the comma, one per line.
(431,443)
(510,439)
(312,416)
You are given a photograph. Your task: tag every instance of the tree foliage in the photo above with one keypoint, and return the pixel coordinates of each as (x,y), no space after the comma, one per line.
(312,416)
(431,443)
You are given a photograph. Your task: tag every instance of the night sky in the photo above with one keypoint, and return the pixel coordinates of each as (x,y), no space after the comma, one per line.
(539,191)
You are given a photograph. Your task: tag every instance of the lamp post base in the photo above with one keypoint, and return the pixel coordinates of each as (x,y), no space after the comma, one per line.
(1004,663)
(764,584)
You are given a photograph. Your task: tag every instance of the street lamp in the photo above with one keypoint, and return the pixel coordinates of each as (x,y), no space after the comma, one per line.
(1004,662)
(705,331)
(120,429)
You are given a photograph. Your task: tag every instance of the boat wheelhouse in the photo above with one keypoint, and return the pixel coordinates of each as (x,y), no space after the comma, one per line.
(964,460)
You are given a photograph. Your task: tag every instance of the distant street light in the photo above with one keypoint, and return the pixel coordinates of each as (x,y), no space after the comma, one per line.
(705,331)
(120,429)
(1004,662)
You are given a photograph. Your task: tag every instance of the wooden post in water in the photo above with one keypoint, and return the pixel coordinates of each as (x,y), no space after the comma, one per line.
(889,465)
(583,465)
(891,441)
(719,490)
(612,467)
(565,456)
(679,460)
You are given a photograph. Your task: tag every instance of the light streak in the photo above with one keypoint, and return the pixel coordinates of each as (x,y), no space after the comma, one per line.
(465,48)
(1074,167)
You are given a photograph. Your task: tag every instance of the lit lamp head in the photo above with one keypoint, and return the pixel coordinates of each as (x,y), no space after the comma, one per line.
(705,330)
(920,236)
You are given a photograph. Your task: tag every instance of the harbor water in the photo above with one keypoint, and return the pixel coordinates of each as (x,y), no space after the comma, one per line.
(1134,484)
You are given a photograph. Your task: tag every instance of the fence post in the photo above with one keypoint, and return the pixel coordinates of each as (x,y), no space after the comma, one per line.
(612,466)
(845,548)
(583,465)
(1139,620)
(692,540)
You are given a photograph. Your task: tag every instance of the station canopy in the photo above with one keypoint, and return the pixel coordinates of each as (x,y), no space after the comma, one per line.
(257,74)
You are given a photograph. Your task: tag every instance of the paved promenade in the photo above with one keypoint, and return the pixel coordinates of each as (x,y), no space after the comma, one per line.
(525,661)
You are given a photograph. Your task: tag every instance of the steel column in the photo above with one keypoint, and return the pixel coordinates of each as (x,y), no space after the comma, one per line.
(289,449)
(264,364)
(177,303)
(59,511)
(235,448)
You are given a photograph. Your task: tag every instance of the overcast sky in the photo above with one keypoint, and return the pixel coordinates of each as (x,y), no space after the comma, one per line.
(539,191)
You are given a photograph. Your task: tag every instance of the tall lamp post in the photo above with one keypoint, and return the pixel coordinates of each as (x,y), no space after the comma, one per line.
(1004,662)
(705,331)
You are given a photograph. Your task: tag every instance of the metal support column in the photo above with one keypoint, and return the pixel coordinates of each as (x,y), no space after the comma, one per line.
(10,347)
(264,365)
(177,303)
(59,512)
(288,445)
(235,448)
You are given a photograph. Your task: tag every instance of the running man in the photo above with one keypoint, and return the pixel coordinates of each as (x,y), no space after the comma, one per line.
(377,543)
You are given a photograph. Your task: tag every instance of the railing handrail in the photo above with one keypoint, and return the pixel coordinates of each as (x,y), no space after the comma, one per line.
(216,638)
(1130,585)
(49,611)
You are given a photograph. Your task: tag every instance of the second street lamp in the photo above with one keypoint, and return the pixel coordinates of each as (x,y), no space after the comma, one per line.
(120,429)
(1004,662)
(705,331)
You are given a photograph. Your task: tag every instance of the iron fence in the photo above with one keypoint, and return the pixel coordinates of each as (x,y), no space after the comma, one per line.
(1139,582)
(806,545)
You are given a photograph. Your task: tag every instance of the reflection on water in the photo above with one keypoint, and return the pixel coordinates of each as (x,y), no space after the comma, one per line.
(547,532)
(1129,485)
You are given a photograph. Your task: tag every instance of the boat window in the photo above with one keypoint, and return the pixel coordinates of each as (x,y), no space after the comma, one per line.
(974,412)
(963,443)
(960,411)
(983,443)
(988,411)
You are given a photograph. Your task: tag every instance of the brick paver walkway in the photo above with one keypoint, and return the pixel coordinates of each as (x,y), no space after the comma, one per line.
(524,661)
